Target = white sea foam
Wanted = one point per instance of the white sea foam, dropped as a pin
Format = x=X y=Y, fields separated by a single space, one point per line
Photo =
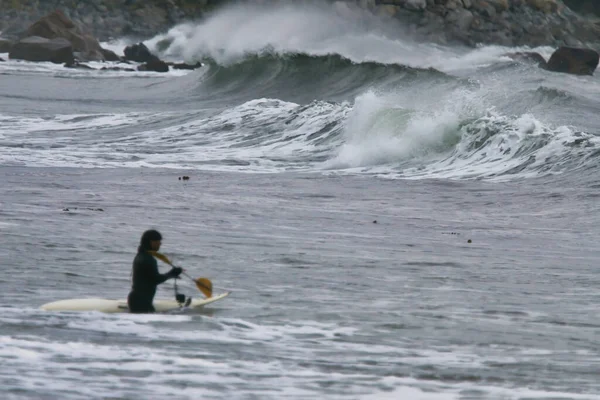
x=319 y=30
x=455 y=135
x=150 y=354
x=390 y=134
x=397 y=388
x=50 y=142
x=20 y=68
x=415 y=131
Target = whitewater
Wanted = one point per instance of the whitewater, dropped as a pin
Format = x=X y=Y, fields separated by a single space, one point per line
x=396 y=219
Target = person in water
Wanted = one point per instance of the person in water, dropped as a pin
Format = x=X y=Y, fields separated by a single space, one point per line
x=145 y=274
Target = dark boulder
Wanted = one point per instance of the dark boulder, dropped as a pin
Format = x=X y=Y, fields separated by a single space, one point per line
x=110 y=55
x=186 y=66
x=5 y=45
x=139 y=53
x=573 y=60
x=155 y=66
x=36 y=48
x=57 y=25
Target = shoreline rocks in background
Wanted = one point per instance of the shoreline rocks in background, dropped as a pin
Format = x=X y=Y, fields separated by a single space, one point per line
x=47 y=39
x=501 y=22
x=466 y=22
x=35 y=48
x=109 y=55
x=139 y=53
x=573 y=61
x=567 y=60
x=584 y=7
x=5 y=45
x=57 y=25
x=55 y=38
x=106 y=19
x=185 y=66
x=154 y=66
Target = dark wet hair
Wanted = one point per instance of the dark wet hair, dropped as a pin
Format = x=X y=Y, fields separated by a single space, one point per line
x=147 y=237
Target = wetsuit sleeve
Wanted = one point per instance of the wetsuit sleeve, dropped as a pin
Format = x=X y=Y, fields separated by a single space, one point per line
x=150 y=271
x=157 y=276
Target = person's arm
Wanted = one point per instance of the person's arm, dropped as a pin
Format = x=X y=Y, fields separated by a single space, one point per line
x=152 y=274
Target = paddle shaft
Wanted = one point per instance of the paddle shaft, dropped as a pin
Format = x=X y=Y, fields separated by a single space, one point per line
x=203 y=284
x=189 y=277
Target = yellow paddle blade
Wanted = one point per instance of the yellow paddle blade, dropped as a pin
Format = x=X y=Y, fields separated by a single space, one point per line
x=161 y=257
x=204 y=285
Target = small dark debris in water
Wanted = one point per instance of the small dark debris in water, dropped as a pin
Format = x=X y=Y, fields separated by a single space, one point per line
x=179 y=178
x=450 y=233
x=375 y=221
x=87 y=208
x=186 y=178
x=117 y=69
x=469 y=241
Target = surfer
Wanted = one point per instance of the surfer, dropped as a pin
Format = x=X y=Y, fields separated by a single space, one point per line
x=145 y=274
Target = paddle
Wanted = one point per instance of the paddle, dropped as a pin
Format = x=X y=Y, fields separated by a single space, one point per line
x=203 y=284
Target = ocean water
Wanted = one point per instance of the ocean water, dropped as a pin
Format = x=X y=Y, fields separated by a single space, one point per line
x=395 y=219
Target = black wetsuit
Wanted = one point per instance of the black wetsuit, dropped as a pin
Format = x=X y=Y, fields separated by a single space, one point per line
x=145 y=280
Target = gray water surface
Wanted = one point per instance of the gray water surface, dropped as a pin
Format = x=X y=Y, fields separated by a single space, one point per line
x=326 y=302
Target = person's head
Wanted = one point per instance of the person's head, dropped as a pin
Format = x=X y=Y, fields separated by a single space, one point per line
x=151 y=240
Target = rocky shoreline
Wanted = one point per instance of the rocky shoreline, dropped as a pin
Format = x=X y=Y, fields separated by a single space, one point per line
x=61 y=37
x=465 y=22
x=56 y=38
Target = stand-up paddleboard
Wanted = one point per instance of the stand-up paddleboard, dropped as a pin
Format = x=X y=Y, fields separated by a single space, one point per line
x=120 y=306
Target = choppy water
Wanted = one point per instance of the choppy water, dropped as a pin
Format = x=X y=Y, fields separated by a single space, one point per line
x=297 y=135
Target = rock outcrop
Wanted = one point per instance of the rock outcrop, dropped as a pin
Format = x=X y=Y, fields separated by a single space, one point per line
x=57 y=25
x=5 y=45
x=52 y=27
x=573 y=61
x=186 y=66
x=139 y=53
x=467 y=22
x=110 y=55
x=35 y=48
x=567 y=60
x=584 y=6
x=154 y=66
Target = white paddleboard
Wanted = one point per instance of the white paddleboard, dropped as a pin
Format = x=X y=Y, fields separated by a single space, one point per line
x=120 y=306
